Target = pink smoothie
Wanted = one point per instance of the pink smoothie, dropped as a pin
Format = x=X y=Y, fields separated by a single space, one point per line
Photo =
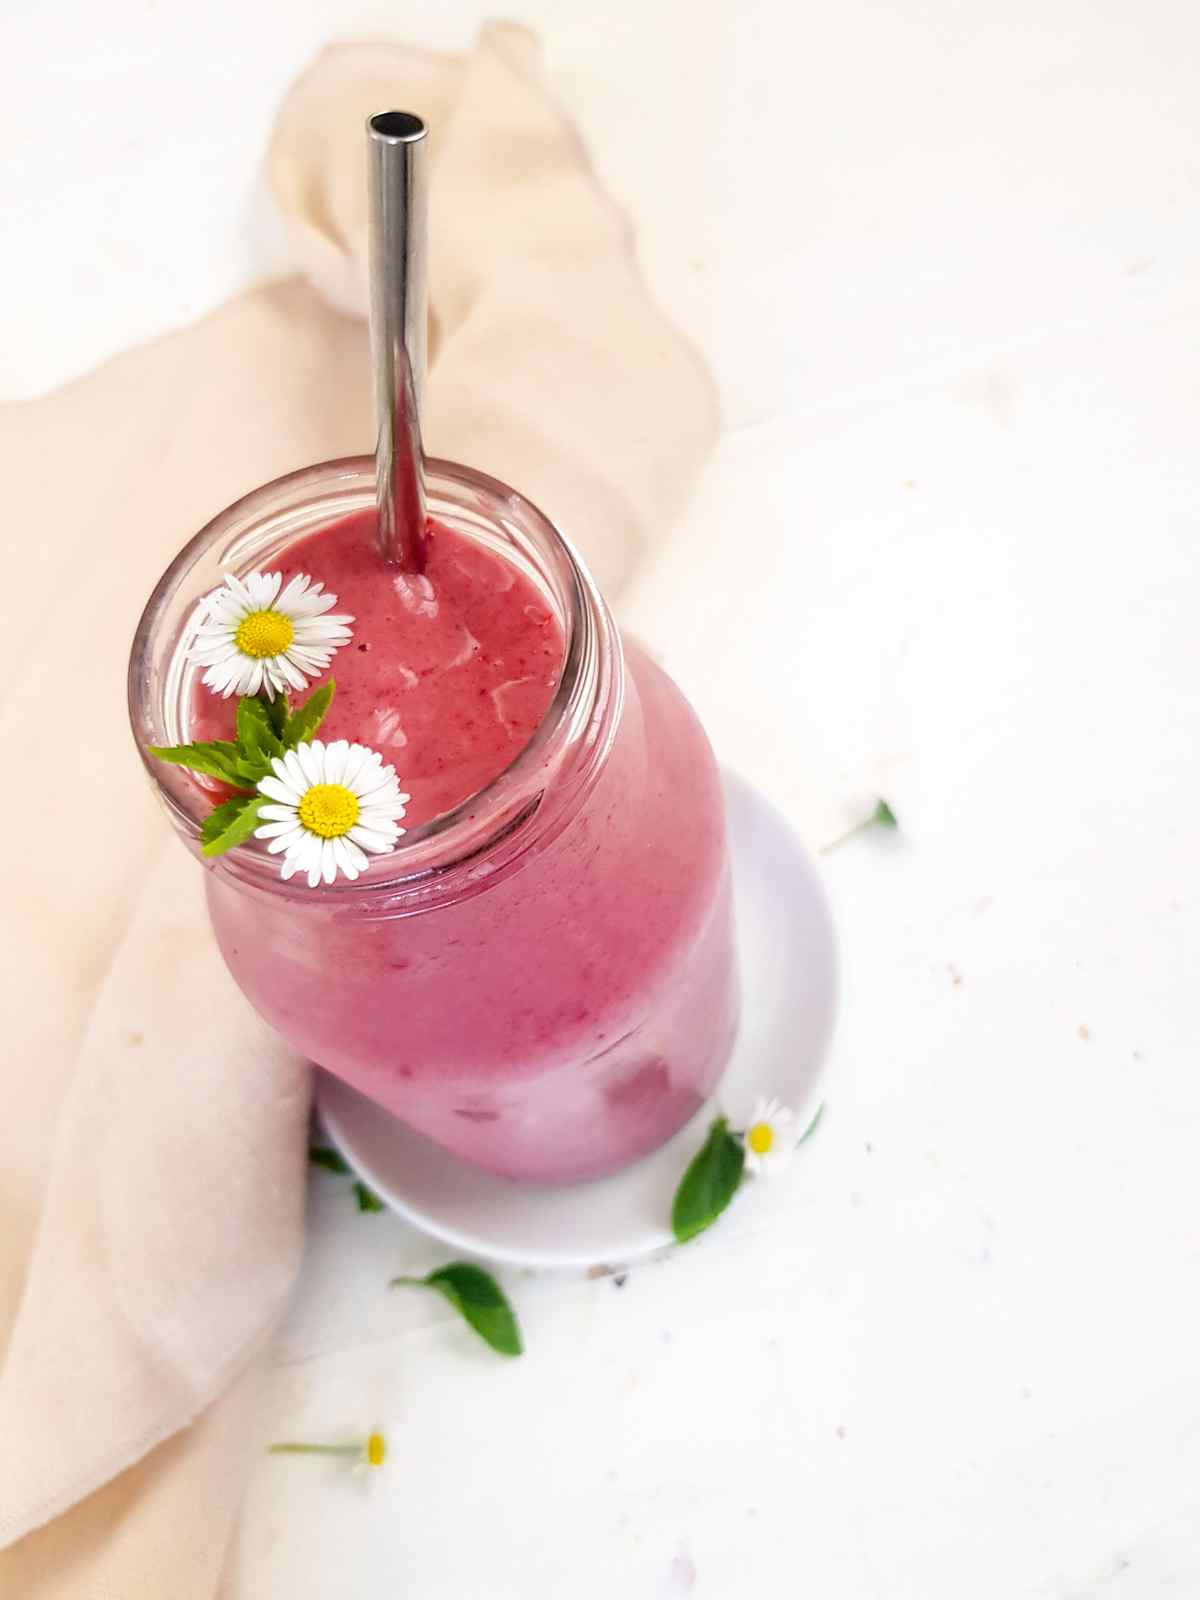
x=447 y=675
x=576 y=1010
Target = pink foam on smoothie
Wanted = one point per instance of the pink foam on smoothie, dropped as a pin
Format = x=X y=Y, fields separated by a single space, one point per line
x=447 y=675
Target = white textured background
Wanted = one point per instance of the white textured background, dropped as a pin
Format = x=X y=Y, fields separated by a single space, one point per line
x=943 y=258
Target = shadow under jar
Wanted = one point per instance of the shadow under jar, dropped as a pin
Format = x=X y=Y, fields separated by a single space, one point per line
x=543 y=980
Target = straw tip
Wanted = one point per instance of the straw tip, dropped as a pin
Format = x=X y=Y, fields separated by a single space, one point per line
x=396 y=127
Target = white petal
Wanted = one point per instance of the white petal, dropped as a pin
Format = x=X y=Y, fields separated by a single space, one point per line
x=336 y=755
x=380 y=819
x=238 y=590
x=282 y=831
x=383 y=800
x=320 y=630
x=303 y=852
x=310 y=764
x=280 y=813
x=293 y=600
x=345 y=863
x=353 y=855
x=355 y=760
x=290 y=673
x=379 y=844
x=365 y=783
x=284 y=792
x=312 y=604
x=375 y=772
x=313 y=661
x=328 y=861
x=264 y=586
x=295 y=773
x=212 y=647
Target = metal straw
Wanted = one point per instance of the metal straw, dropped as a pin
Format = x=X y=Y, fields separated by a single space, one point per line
x=396 y=157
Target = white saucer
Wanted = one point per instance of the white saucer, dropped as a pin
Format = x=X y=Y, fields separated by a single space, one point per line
x=788 y=963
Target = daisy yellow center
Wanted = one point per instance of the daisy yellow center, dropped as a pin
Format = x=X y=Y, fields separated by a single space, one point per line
x=760 y=1136
x=264 y=633
x=376 y=1450
x=329 y=809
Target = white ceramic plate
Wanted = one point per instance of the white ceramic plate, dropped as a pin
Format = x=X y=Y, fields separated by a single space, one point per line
x=788 y=962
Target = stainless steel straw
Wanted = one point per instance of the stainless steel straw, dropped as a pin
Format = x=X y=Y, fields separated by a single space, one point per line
x=397 y=156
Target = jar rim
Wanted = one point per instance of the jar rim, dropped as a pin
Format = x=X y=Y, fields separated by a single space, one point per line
x=591 y=671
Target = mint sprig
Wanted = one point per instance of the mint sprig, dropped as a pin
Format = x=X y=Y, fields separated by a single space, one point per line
x=710 y=1182
x=479 y=1298
x=265 y=730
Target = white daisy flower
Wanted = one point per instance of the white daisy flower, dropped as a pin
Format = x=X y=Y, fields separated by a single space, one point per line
x=252 y=638
x=771 y=1137
x=330 y=805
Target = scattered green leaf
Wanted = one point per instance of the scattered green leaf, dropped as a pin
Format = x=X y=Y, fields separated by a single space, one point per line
x=231 y=824
x=881 y=817
x=812 y=1127
x=478 y=1297
x=322 y=1155
x=709 y=1184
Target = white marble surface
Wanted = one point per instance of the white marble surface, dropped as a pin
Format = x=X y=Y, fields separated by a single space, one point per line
x=947 y=273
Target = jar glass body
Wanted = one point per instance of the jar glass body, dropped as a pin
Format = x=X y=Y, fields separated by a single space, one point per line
x=543 y=981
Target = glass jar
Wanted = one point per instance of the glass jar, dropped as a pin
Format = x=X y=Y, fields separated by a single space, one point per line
x=543 y=980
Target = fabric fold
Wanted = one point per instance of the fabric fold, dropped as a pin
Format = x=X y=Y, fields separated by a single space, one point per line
x=152 y=1165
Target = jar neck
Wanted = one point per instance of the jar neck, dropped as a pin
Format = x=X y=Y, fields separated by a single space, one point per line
x=521 y=810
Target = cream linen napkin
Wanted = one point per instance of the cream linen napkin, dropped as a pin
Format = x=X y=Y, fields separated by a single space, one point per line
x=152 y=1155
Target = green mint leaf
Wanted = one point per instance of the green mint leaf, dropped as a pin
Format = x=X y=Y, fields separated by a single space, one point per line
x=250 y=770
x=257 y=739
x=221 y=817
x=322 y=1156
x=306 y=719
x=812 y=1127
x=277 y=711
x=709 y=1184
x=479 y=1298
x=367 y=1199
x=217 y=759
x=884 y=815
x=230 y=824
